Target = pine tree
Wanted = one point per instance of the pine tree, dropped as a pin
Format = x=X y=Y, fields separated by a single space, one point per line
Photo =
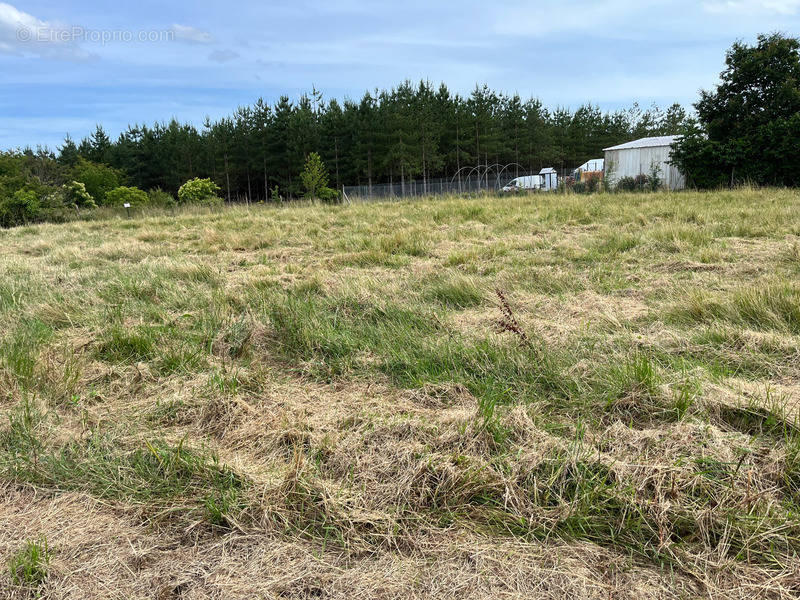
x=279 y=143
x=314 y=176
x=407 y=133
x=100 y=145
x=68 y=153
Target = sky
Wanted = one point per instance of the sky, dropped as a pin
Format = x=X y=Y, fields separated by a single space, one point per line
x=67 y=66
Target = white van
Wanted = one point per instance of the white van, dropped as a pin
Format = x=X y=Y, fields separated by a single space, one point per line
x=530 y=182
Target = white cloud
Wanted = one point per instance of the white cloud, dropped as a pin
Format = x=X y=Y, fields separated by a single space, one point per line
x=186 y=33
x=25 y=35
x=11 y=20
x=780 y=7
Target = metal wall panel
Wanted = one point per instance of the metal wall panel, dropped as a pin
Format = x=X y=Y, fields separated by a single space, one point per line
x=636 y=161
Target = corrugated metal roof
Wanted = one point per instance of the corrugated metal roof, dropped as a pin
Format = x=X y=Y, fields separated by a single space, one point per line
x=648 y=142
x=596 y=164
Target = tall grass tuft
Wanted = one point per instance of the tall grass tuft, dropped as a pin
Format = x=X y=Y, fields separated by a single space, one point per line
x=766 y=306
x=454 y=292
x=28 y=566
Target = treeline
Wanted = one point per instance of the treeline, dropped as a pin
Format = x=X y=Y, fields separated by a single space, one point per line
x=37 y=186
x=746 y=130
x=748 y=127
x=389 y=136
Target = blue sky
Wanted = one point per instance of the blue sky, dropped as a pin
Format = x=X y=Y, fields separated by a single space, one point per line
x=195 y=58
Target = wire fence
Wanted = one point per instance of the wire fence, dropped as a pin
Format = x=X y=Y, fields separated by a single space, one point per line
x=430 y=187
x=468 y=184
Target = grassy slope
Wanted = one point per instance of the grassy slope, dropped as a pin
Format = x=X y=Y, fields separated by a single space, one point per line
x=317 y=401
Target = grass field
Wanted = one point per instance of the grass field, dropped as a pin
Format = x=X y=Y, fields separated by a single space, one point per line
x=533 y=397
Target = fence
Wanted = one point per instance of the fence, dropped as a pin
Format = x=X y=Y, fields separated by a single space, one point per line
x=430 y=187
x=474 y=184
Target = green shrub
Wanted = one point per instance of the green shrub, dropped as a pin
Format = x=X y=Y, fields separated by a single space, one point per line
x=75 y=194
x=592 y=182
x=98 y=179
x=654 y=181
x=275 y=194
x=126 y=195
x=626 y=184
x=199 y=191
x=32 y=203
x=641 y=182
x=23 y=206
x=158 y=197
x=329 y=195
x=30 y=189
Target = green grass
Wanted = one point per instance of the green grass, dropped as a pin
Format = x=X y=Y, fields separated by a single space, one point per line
x=18 y=350
x=347 y=379
x=122 y=346
x=767 y=306
x=339 y=337
x=158 y=474
x=454 y=292
x=28 y=565
x=414 y=243
x=618 y=243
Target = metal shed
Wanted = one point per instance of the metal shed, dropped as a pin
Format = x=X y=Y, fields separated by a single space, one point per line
x=549 y=178
x=639 y=157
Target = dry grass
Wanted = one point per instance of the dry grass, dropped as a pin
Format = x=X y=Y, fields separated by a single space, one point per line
x=544 y=397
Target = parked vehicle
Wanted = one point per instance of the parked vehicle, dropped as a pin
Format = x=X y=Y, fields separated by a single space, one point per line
x=518 y=184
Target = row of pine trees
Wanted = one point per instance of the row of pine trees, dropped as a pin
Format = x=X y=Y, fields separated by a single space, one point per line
x=390 y=136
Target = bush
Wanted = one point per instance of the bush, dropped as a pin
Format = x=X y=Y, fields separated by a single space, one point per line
x=329 y=195
x=126 y=195
x=32 y=190
x=626 y=184
x=98 y=179
x=75 y=194
x=592 y=182
x=654 y=182
x=32 y=204
x=588 y=184
x=158 y=197
x=21 y=207
x=199 y=191
x=275 y=195
x=641 y=182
